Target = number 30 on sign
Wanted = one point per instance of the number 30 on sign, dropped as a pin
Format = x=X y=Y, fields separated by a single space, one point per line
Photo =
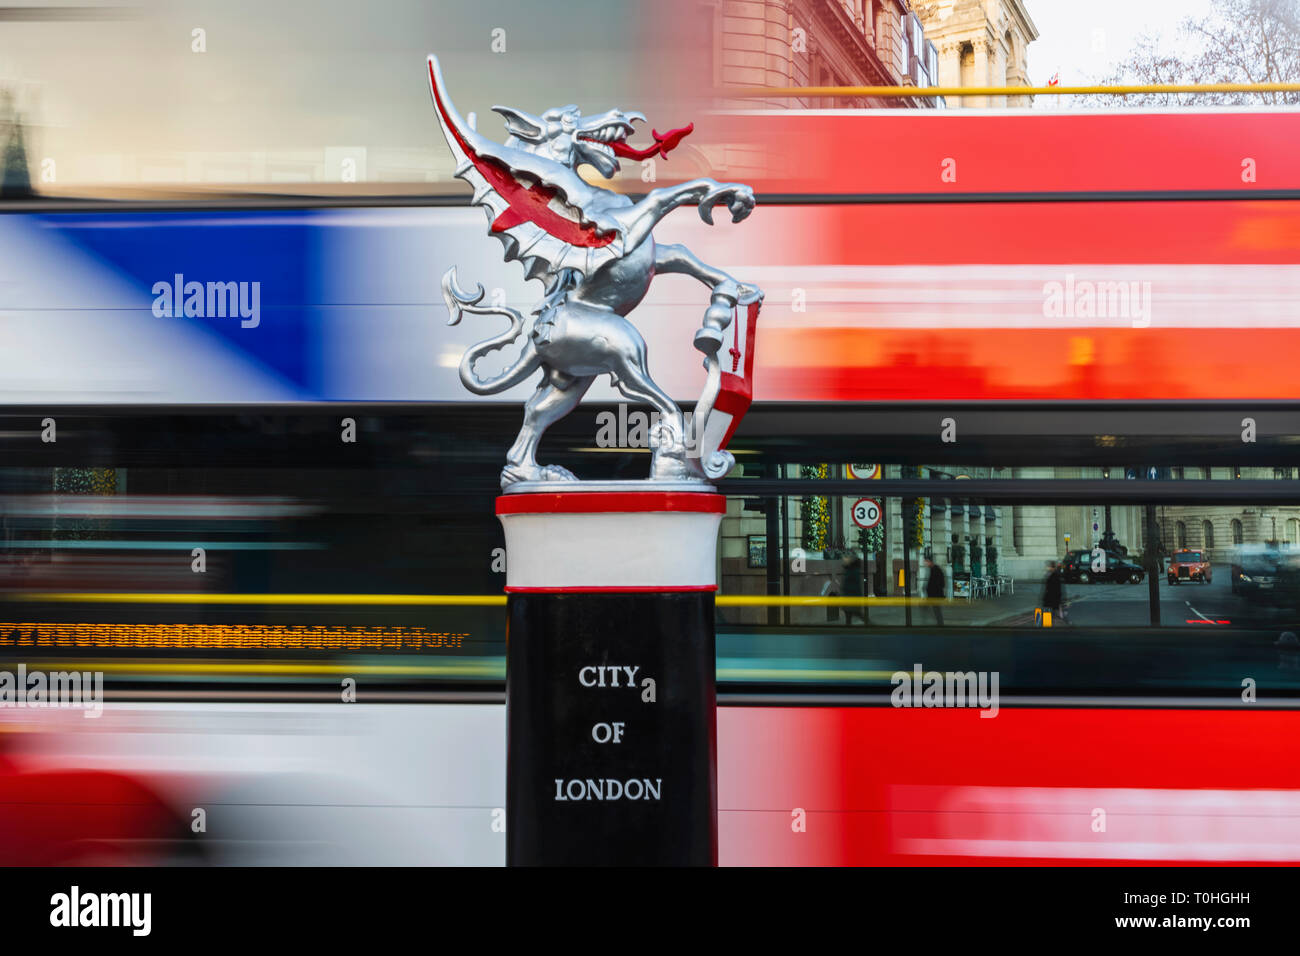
x=866 y=512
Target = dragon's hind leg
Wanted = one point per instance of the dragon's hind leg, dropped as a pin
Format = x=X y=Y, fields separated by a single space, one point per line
x=556 y=396
x=667 y=438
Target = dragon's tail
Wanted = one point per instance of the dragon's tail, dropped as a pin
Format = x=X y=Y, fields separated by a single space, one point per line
x=458 y=303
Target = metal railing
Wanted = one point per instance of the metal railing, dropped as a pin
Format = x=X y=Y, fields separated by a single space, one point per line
x=1127 y=89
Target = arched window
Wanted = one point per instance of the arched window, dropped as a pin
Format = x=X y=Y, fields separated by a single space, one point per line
x=1237 y=536
x=1181 y=531
x=1207 y=533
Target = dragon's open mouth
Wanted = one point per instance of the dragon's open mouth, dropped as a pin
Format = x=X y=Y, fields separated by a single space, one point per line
x=603 y=138
x=612 y=139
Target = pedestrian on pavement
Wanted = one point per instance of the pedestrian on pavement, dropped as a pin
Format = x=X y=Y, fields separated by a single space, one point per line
x=936 y=587
x=851 y=586
x=1054 y=592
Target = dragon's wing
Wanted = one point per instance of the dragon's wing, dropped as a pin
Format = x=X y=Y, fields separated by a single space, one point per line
x=536 y=207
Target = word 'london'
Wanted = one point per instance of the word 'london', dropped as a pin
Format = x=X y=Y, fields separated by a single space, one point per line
x=608 y=789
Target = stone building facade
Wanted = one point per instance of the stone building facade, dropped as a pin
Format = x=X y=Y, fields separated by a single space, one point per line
x=980 y=43
x=1219 y=529
x=821 y=43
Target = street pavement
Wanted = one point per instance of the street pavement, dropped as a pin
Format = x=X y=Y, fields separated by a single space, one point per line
x=1181 y=605
x=1100 y=605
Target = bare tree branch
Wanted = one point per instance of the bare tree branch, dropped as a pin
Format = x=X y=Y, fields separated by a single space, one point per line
x=1241 y=41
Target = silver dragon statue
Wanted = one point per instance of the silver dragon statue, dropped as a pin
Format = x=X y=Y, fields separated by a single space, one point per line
x=594 y=250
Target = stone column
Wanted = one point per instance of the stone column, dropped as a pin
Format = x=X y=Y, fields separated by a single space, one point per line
x=950 y=70
x=982 y=55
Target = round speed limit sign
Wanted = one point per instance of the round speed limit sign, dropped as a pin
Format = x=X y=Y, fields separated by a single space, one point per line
x=864 y=471
x=866 y=512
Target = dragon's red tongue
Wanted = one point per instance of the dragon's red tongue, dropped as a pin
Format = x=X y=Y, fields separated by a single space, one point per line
x=661 y=145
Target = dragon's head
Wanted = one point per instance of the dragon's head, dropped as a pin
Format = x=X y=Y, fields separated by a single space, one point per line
x=566 y=136
x=533 y=176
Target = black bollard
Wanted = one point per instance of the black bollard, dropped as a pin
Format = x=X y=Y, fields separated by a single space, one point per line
x=610 y=699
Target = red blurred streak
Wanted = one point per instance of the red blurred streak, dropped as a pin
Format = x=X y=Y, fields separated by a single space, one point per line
x=813 y=364
x=74 y=817
x=1226 y=232
x=902 y=152
x=839 y=764
x=862 y=358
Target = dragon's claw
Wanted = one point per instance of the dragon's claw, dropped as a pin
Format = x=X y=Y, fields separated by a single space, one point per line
x=557 y=473
x=706 y=208
x=738 y=197
x=531 y=471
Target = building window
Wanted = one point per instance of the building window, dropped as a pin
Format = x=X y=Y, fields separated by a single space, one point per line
x=1292 y=531
x=1181 y=530
x=903 y=48
x=1207 y=532
x=1237 y=536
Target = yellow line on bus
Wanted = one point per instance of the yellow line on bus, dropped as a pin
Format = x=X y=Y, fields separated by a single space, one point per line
x=814 y=600
x=487 y=668
x=746 y=92
x=425 y=600
x=168 y=597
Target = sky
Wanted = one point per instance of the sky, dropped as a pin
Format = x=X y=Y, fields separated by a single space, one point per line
x=1084 y=40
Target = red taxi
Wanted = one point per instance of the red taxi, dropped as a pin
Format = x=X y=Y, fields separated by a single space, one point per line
x=1189 y=566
